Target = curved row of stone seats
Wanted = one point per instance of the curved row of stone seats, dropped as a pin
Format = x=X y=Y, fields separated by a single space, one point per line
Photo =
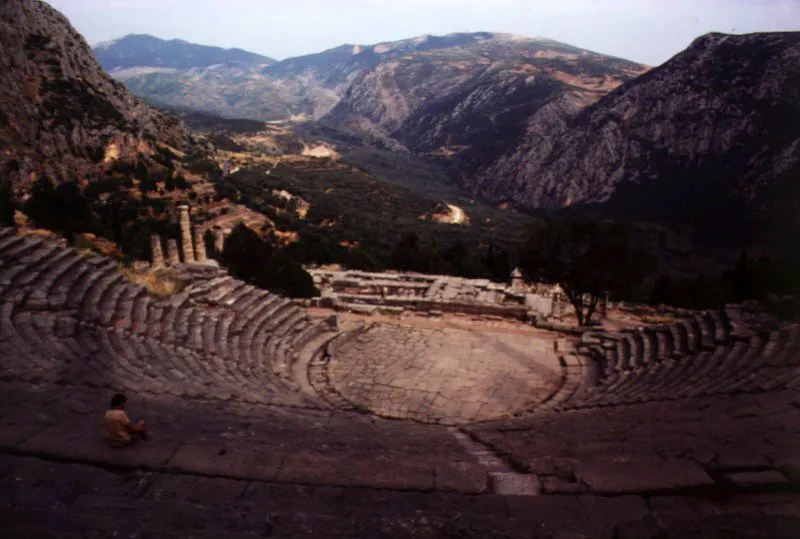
x=739 y=364
x=71 y=319
x=630 y=349
x=256 y=324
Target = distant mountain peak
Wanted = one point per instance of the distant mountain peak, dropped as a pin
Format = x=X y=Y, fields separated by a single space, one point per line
x=144 y=50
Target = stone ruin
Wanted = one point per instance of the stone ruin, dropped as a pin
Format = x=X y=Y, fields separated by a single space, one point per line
x=267 y=421
x=394 y=293
x=192 y=245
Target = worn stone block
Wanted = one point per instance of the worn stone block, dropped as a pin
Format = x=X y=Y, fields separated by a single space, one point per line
x=509 y=483
x=12 y=435
x=550 y=512
x=461 y=476
x=242 y=462
x=640 y=474
x=356 y=470
x=737 y=461
x=212 y=491
x=604 y=514
x=756 y=479
x=60 y=443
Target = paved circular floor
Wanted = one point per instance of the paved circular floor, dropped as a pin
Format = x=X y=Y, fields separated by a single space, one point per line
x=443 y=375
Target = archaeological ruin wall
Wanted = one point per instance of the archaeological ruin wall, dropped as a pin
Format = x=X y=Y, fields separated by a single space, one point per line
x=395 y=293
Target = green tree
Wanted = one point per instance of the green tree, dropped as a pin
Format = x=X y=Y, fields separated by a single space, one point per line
x=74 y=214
x=42 y=206
x=7 y=206
x=587 y=259
x=497 y=263
x=180 y=182
x=147 y=184
x=169 y=183
x=211 y=246
x=251 y=259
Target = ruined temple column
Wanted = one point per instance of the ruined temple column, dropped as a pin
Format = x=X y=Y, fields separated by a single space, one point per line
x=186 y=234
x=156 y=251
x=199 y=246
x=219 y=240
x=173 y=256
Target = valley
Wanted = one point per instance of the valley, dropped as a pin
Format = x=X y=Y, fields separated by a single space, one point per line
x=451 y=147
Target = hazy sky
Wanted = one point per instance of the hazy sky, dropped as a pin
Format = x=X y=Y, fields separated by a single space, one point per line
x=647 y=31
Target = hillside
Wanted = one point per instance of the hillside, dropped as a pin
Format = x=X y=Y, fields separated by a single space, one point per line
x=60 y=113
x=473 y=98
x=309 y=87
x=709 y=142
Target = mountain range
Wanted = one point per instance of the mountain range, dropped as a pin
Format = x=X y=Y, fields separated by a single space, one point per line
x=707 y=144
x=180 y=75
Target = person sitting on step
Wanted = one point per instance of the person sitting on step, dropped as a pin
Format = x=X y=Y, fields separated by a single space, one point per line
x=118 y=427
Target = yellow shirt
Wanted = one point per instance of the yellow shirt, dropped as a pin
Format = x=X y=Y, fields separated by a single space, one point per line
x=116 y=422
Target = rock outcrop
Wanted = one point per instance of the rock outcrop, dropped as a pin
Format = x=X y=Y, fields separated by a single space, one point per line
x=709 y=140
x=474 y=97
x=60 y=114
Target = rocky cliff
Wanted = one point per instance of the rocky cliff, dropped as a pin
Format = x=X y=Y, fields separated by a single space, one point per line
x=60 y=113
x=475 y=98
x=709 y=140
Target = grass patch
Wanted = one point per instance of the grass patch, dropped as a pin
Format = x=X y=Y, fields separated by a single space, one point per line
x=160 y=283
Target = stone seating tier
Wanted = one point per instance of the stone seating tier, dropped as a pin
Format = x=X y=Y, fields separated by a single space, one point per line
x=232 y=381
x=92 y=327
x=631 y=374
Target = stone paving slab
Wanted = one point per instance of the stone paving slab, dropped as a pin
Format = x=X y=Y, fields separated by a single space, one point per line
x=62 y=443
x=211 y=491
x=756 y=479
x=506 y=483
x=55 y=499
x=357 y=471
x=708 y=434
x=609 y=475
x=248 y=461
x=228 y=440
x=12 y=435
x=466 y=477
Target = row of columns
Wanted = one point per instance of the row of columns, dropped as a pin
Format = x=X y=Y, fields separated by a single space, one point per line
x=192 y=243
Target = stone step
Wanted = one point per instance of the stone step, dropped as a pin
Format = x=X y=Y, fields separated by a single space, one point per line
x=679 y=339
x=22 y=248
x=48 y=272
x=665 y=343
x=7 y=242
x=62 y=287
x=707 y=334
x=78 y=293
x=721 y=329
x=103 y=301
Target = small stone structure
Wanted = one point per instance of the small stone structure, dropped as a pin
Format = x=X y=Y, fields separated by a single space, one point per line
x=157 y=251
x=194 y=252
x=388 y=293
x=199 y=246
x=186 y=234
x=517 y=281
x=173 y=255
